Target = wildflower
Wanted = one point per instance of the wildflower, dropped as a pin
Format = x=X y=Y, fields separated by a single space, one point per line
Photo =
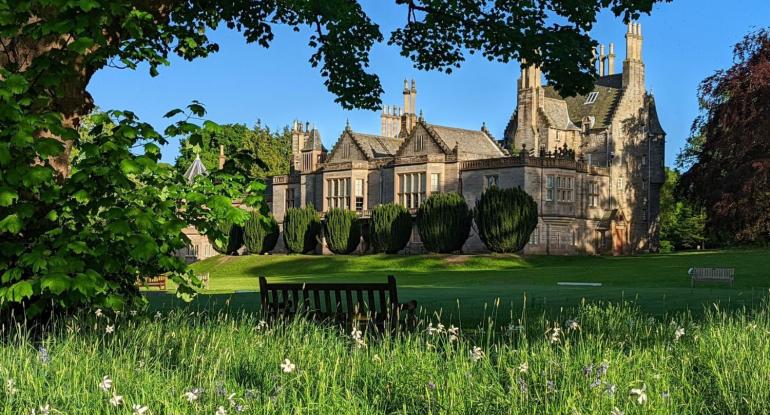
x=550 y=386
x=287 y=366
x=133 y=313
x=98 y=312
x=571 y=325
x=44 y=410
x=678 y=334
x=752 y=326
x=158 y=315
x=640 y=394
x=358 y=336
x=616 y=411
x=554 y=335
x=116 y=400
x=139 y=409
x=262 y=325
x=454 y=333
x=10 y=386
x=431 y=386
x=588 y=370
x=42 y=355
x=192 y=395
x=665 y=395
x=431 y=330
x=239 y=408
x=109 y=329
x=221 y=391
x=610 y=389
x=221 y=411
x=376 y=358
x=477 y=354
x=105 y=384
x=602 y=369
x=524 y=367
x=231 y=399
x=250 y=394
x=596 y=383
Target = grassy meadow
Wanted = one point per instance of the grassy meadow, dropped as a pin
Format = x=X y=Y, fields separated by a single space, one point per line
x=597 y=359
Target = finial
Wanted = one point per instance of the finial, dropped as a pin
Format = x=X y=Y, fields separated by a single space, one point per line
x=421 y=118
x=414 y=85
x=347 y=124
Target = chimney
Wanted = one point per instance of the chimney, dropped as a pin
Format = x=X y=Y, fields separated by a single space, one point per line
x=221 y=157
x=602 y=60
x=413 y=96
x=407 y=97
x=633 y=66
x=611 y=60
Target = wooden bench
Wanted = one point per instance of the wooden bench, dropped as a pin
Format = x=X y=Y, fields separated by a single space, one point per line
x=347 y=304
x=711 y=275
x=157 y=281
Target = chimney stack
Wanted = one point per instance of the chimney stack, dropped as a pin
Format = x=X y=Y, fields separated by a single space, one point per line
x=611 y=60
x=602 y=60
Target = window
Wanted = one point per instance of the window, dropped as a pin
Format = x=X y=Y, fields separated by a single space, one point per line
x=435 y=182
x=644 y=183
x=346 y=150
x=419 y=142
x=549 y=188
x=591 y=98
x=589 y=159
x=593 y=194
x=411 y=190
x=359 y=194
x=575 y=237
x=621 y=185
x=290 y=198
x=490 y=181
x=644 y=160
x=534 y=239
x=306 y=161
x=564 y=188
x=338 y=193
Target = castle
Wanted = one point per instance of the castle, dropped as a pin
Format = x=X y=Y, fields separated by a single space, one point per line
x=593 y=163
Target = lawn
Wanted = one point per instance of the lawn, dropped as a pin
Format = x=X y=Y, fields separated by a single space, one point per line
x=470 y=285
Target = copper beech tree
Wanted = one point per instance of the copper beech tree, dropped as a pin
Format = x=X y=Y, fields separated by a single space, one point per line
x=728 y=155
x=78 y=228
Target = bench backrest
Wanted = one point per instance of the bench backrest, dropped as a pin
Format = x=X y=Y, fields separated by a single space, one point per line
x=713 y=273
x=377 y=302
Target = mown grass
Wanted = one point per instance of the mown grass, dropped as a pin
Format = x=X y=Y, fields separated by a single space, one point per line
x=656 y=283
x=719 y=365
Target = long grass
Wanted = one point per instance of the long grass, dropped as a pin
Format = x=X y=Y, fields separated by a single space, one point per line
x=717 y=364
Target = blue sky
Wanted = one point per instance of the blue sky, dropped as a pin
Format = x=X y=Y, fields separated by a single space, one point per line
x=684 y=42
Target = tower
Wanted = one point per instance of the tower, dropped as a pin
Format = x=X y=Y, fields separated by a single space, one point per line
x=307 y=151
x=409 y=117
x=633 y=66
x=531 y=97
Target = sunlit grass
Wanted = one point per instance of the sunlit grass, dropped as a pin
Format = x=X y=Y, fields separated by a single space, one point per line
x=720 y=365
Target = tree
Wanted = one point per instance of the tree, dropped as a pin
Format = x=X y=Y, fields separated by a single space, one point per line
x=342 y=230
x=301 y=227
x=505 y=218
x=728 y=167
x=256 y=152
x=231 y=240
x=390 y=227
x=681 y=224
x=260 y=233
x=444 y=222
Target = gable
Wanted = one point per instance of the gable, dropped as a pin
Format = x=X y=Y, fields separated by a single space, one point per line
x=345 y=150
x=420 y=142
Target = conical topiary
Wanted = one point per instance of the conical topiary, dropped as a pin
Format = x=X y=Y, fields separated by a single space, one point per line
x=390 y=228
x=301 y=227
x=505 y=218
x=444 y=222
x=342 y=231
x=260 y=233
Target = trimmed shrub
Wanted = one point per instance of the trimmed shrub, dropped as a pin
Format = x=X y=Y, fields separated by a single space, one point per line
x=444 y=221
x=233 y=238
x=301 y=227
x=505 y=218
x=260 y=233
x=342 y=230
x=390 y=227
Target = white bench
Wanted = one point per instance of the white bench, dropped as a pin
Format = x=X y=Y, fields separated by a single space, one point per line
x=711 y=275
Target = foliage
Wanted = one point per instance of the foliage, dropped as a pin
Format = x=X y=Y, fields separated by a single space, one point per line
x=232 y=239
x=709 y=367
x=505 y=218
x=444 y=222
x=681 y=224
x=301 y=228
x=730 y=172
x=390 y=227
x=117 y=218
x=256 y=153
x=260 y=233
x=342 y=230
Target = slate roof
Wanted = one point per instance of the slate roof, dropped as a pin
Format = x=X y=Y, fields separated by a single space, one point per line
x=557 y=114
x=376 y=146
x=609 y=90
x=655 y=127
x=313 y=141
x=468 y=141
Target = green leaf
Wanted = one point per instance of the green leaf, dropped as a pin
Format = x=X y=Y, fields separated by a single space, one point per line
x=20 y=291
x=55 y=283
x=5 y=154
x=7 y=196
x=11 y=224
x=130 y=167
x=81 y=44
x=114 y=302
x=46 y=147
x=81 y=196
x=88 y=5
x=173 y=113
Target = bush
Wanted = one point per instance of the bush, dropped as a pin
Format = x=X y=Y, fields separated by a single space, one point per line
x=505 y=218
x=390 y=227
x=260 y=233
x=444 y=222
x=342 y=231
x=301 y=227
x=232 y=241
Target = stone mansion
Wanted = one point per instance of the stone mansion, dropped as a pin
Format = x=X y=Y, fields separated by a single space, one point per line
x=593 y=163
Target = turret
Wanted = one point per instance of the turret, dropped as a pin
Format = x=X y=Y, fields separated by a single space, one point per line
x=633 y=66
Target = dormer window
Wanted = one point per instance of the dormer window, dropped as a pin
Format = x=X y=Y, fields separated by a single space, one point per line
x=591 y=98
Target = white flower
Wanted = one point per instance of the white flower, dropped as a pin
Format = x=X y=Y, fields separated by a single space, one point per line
x=139 y=409
x=287 y=366
x=431 y=330
x=571 y=325
x=231 y=399
x=477 y=354
x=98 y=312
x=105 y=384
x=133 y=313
x=616 y=411
x=191 y=395
x=554 y=335
x=752 y=326
x=116 y=400
x=158 y=315
x=10 y=386
x=221 y=411
x=262 y=325
x=109 y=329
x=358 y=337
x=524 y=367
x=44 y=410
x=454 y=333
x=640 y=394
x=678 y=333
